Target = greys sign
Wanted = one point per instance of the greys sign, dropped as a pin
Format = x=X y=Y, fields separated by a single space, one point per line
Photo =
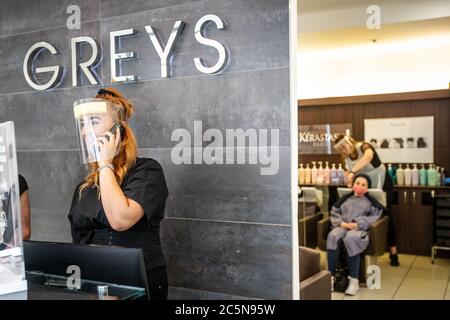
x=164 y=53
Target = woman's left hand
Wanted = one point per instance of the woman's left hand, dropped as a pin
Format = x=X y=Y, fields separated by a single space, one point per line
x=108 y=144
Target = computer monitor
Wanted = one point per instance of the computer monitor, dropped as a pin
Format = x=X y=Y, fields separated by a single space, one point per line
x=109 y=264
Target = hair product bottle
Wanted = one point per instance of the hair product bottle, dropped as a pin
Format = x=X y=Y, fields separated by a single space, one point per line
x=301 y=174
x=319 y=178
x=326 y=173
x=431 y=176
x=408 y=175
x=307 y=174
x=423 y=176
x=314 y=173
x=438 y=175
x=415 y=176
x=341 y=174
x=334 y=175
x=400 y=175
x=391 y=172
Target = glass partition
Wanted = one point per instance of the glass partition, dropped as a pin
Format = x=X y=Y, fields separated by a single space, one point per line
x=12 y=271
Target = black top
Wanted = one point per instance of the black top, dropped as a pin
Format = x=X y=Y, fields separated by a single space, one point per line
x=375 y=162
x=143 y=183
x=23 y=186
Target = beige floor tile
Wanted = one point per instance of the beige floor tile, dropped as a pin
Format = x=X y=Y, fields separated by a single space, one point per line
x=368 y=296
x=389 y=279
x=385 y=290
x=445 y=270
x=337 y=295
x=412 y=297
x=436 y=284
x=394 y=272
x=415 y=293
x=429 y=274
x=443 y=262
x=422 y=261
x=436 y=261
x=447 y=296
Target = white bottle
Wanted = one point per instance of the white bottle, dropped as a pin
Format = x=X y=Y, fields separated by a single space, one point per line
x=438 y=176
x=327 y=173
x=334 y=175
x=301 y=175
x=307 y=174
x=400 y=176
x=314 y=173
x=341 y=174
x=320 y=176
x=408 y=175
x=415 y=176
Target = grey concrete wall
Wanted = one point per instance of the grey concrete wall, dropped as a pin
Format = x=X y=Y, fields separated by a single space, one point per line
x=227 y=232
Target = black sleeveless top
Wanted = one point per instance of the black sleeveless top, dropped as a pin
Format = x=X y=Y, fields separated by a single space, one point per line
x=143 y=183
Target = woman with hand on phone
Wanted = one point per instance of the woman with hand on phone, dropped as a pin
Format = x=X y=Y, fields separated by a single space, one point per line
x=122 y=199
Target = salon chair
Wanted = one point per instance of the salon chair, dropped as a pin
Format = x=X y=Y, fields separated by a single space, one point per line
x=314 y=284
x=309 y=201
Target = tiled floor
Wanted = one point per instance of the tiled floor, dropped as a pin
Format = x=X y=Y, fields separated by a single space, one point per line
x=415 y=279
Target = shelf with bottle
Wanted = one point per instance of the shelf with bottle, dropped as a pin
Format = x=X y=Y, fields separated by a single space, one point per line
x=407 y=175
x=319 y=174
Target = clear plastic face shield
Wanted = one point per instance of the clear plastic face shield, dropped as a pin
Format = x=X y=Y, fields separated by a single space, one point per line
x=343 y=146
x=93 y=119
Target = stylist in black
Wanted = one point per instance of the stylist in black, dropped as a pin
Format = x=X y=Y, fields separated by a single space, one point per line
x=121 y=201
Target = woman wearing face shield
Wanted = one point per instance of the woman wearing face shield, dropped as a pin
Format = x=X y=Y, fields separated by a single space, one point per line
x=361 y=157
x=121 y=201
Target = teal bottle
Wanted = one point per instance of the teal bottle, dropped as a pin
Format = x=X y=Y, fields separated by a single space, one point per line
x=431 y=176
x=423 y=176
x=391 y=172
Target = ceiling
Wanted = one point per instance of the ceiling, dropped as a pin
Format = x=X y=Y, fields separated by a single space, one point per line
x=328 y=24
x=322 y=5
x=391 y=33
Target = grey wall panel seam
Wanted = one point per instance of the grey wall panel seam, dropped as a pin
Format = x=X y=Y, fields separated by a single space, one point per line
x=47 y=150
x=44 y=29
x=149 y=10
x=230 y=221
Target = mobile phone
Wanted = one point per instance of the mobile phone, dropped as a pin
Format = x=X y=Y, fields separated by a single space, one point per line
x=121 y=129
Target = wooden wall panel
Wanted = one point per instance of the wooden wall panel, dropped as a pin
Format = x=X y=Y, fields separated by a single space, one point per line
x=355 y=113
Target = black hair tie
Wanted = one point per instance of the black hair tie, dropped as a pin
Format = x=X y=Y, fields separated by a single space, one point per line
x=104 y=91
